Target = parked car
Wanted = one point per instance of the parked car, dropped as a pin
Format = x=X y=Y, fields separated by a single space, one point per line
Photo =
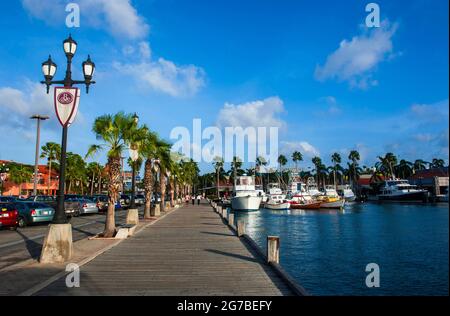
x=72 y=206
x=88 y=207
x=101 y=201
x=7 y=199
x=8 y=215
x=139 y=199
x=124 y=200
x=33 y=212
x=106 y=202
x=46 y=199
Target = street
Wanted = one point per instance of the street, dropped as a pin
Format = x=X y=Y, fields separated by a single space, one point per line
x=26 y=243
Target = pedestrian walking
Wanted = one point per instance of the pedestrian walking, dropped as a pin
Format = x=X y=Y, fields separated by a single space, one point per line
x=193 y=199
x=199 y=197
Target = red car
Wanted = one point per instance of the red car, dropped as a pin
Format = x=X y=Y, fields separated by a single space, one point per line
x=9 y=215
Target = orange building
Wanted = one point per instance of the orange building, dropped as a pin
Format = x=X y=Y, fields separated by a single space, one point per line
x=46 y=185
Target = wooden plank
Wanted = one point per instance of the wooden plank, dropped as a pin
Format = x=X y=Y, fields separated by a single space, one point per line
x=189 y=252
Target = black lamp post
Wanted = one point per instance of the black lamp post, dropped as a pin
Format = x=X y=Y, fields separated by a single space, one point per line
x=134 y=158
x=49 y=69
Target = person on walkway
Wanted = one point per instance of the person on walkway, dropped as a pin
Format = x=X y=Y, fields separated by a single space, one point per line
x=199 y=197
x=193 y=199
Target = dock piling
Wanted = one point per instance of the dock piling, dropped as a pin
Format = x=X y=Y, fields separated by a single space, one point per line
x=240 y=228
x=273 y=249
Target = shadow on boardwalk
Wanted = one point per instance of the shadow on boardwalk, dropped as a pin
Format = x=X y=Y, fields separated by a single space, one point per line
x=189 y=252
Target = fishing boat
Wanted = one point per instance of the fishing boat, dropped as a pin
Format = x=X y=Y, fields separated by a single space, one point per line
x=277 y=203
x=304 y=202
x=331 y=199
x=245 y=198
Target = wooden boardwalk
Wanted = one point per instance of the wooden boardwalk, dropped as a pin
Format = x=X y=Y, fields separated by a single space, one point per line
x=189 y=252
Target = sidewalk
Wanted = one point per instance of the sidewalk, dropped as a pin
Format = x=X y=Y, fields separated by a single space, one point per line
x=20 y=278
x=189 y=252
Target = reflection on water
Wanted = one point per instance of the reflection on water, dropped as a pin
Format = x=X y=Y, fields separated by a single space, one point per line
x=327 y=250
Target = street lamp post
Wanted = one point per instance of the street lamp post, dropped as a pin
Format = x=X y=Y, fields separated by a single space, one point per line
x=38 y=118
x=49 y=69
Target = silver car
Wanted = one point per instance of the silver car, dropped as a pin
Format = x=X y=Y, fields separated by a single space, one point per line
x=88 y=207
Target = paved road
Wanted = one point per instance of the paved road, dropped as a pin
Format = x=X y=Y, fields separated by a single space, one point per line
x=26 y=243
x=189 y=252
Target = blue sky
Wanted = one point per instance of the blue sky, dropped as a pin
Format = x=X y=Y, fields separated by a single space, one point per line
x=311 y=67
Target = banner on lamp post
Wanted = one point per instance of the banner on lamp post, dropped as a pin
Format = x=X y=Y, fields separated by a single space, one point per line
x=66 y=104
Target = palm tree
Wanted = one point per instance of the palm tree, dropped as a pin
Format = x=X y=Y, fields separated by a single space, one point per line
x=163 y=163
x=51 y=151
x=282 y=161
x=75 y=171
x=317 y=162
x=387 y=163
x=236 y=170
x=20 y=174
x=149 y=152
x=354 y=157
x=218 y=166
x=115 y=133
x=420 y=164
x=296 y=157
x=94 y=169
x=261 y=161
x=404 y=169
x=336 y=160
x=437 y=163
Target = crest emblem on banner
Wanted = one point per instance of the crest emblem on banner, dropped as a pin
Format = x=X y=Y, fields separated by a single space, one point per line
x=66 y=104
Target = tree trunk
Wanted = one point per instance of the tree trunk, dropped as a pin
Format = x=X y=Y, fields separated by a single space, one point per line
x=49 y=176
x=162 y=188
x=92 y=184
x=100 y=183
x=113 y=192
x=148 y=187
x=70 y=186
x=218 y=190
x=171 y=191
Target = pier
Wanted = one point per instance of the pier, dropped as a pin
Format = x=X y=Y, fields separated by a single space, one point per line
x=189 y=252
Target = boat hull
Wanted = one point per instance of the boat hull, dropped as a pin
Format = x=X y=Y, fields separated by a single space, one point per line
x=306 y=206
x=279 y=206
x=405 y=197
x=335 y=205
x=246 y=203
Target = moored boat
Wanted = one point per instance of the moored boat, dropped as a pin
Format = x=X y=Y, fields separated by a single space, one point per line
x=245 y=198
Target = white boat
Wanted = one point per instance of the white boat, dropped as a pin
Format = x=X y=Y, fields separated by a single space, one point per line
x=276 y=203
x=246 y=198
x=347 y=193
x=401 y=191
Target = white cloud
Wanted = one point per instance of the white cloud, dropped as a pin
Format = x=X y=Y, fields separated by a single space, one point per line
x=356 y=60
x=328 y=106
x=117 y=17
x=163 y=75
x=19 y=105
x=304 y=147
x=430 y=113
x=261 y=113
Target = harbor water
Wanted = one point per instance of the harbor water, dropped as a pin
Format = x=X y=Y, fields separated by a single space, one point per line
x=327 y=251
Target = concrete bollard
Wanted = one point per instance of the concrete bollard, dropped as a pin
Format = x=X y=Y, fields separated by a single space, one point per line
x=155 y=210
x=133 y=216
x=231 y=219
x=273 y=249
x=240 y=228
x=58 y=245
